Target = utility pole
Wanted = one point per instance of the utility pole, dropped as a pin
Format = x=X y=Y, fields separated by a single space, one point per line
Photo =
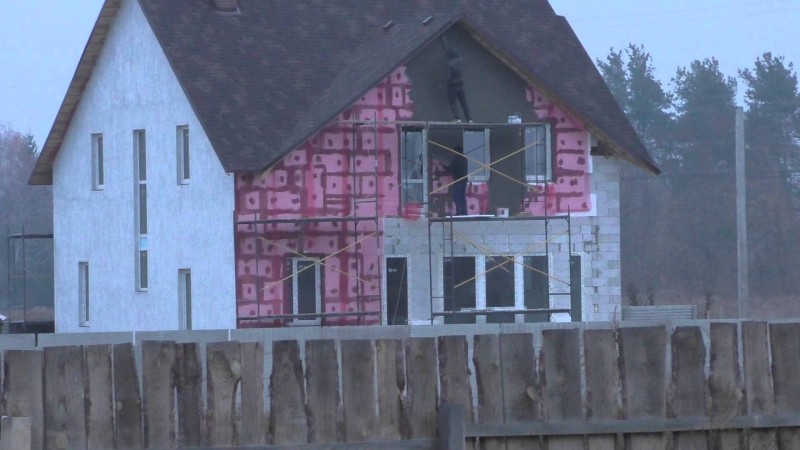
x=743 y=292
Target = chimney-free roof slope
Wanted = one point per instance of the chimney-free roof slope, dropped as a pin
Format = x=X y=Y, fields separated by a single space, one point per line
x=264 y=79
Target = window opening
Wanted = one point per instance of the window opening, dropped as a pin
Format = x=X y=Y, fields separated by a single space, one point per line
x=185 y=298
x=500 y=287
x=459 y=287
x=537 y=154
x=83 y=294
x=98 y=175
x=140 y=162
x=476 y=149
x=536 y=287
x=307 y=288
x=184 y=166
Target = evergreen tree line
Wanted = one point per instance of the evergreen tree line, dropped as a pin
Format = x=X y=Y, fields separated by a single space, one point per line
x=679 y=228
x=28 y=208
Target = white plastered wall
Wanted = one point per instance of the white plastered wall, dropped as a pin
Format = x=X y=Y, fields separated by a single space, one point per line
x=133 y=87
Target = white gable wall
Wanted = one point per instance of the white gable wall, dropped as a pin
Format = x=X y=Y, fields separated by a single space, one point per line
x=190 y=226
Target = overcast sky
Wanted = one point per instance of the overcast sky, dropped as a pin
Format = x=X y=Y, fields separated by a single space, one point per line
x=42 y=40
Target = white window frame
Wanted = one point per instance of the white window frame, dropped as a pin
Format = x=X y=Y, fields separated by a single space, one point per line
x=183 y=153
x=83 y=294
x=98 y=162
x=548 y=176
x=141 y=223
x=317 y=290
x=412 y=181
x=185 y=299
x=472 y=166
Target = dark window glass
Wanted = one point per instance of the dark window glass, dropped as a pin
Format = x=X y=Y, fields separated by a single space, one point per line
x=306 y=287
x=142 y=154
x=536 y=153
x=186 y=170
x=499 y=287
x=143 y=269
x=142 y=209
x=459 y=287
x=537 y=287
x=100 y=175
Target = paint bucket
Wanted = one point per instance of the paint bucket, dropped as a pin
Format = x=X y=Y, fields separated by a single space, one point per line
x=502 y=212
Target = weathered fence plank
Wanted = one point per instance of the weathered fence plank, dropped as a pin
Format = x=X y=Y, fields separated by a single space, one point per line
x=454 y=374
x=521 y=390
x=254 y=426
x=391 y=382
x=643 y=352
x=15 y=433
x=421 y=378
x=322 y=384
x=561 y=382
x=784 y=341
x=725 y=385
x=189 y=379
x=100 y=396
x=64 y=398
x=22 y=390
x=127 y=400
x=486 y=357
x=758 y=380
x=603 y=385
x=223 y=373
x=689 y=383
x=158 y=389
x=288 y=420
x=358 y=389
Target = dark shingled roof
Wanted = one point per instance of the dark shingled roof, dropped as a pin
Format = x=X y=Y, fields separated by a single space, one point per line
x=265 y=79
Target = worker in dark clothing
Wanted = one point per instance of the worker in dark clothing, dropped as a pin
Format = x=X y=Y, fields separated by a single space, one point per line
x=458 y=170
x=455 y=82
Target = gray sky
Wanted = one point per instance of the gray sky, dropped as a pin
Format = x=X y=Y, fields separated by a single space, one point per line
x=42 y=40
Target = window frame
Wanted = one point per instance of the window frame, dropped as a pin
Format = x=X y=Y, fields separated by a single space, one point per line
x=183 y=154
x=141 y=210
x=536 y=178
x=317 y=289
x=485 y=173
x=83 y=294
x=98 y=162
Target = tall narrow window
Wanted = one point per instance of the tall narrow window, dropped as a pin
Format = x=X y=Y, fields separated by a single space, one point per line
x=537 y=154
x=412 y=166
x=537 y=287
x=83 y=294
x=458 y=275
x=184 y=167
x=98 y=175
x=185 y=299
x=476 y=149
x=500 y=287
x=306 y=289
x=140 y=162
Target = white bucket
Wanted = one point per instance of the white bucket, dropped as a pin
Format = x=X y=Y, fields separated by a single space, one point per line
x=502 y=212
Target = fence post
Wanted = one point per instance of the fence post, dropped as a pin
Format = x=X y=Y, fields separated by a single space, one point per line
x=451 y=427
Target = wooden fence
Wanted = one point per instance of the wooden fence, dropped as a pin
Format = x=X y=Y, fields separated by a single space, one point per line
x=716 y=385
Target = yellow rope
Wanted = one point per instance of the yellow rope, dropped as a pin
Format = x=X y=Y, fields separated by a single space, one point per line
x=483 y=166
x=318 y=261
x=490 y=251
